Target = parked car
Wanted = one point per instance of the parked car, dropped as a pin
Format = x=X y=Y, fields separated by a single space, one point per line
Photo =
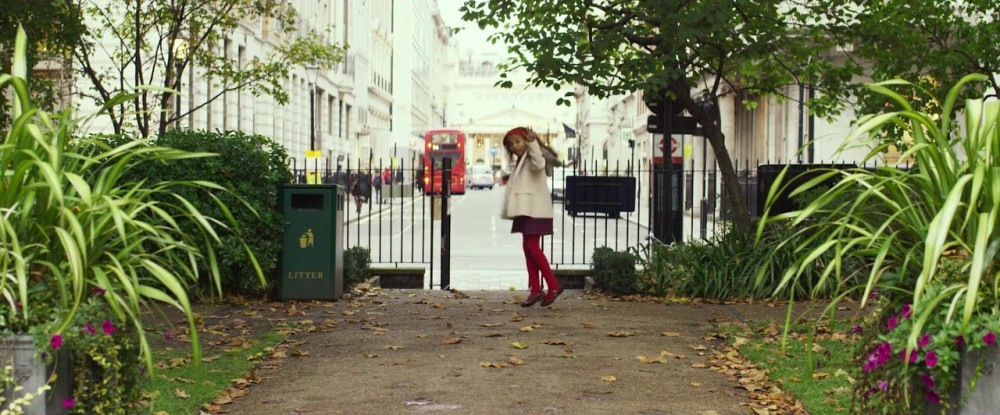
x=481 y=177
x=557 y=183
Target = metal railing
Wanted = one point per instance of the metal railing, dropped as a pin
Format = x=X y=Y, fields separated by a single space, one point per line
x=405 y=212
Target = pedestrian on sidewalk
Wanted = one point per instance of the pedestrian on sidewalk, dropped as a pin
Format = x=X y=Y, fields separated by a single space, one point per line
x=377 y=186
x=361 y=190
x=528 y=204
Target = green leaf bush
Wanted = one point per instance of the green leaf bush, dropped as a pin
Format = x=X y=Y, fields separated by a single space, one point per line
x=252 y=169
x=615 y=271
x=82 y=244
x=734 y=265
x=929 y=237
x=357 y=266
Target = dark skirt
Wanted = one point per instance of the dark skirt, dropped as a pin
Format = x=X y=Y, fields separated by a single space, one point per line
x=532 y=226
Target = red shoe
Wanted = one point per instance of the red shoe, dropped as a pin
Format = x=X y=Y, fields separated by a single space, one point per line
x=551 y=297
x=532 y=299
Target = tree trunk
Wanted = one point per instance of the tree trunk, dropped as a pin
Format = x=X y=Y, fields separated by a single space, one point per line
x=729 y=179
x=713 y=133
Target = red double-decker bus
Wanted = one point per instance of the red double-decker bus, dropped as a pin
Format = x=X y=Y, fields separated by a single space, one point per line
x=440 y=144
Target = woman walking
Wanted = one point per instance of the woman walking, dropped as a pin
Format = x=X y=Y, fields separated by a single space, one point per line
x=527 y=202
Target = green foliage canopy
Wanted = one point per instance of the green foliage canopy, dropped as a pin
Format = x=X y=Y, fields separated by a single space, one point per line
x=153 y=42
x=747 y=48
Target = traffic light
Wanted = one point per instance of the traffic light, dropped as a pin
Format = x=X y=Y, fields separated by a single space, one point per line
x=661 y=106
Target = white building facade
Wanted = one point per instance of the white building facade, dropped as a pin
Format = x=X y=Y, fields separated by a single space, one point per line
x=370 y=106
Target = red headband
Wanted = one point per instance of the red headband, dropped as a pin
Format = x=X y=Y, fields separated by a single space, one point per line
x=519 y=131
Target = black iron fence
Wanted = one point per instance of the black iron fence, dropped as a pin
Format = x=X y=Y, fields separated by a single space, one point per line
x=596 y=204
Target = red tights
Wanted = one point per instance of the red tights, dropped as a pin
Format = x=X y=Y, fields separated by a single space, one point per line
x=537 y=264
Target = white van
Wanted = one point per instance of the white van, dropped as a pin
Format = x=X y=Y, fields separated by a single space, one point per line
x=481 y=177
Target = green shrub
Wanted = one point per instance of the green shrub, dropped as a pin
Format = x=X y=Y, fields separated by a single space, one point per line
x=356 y=266
x=252 y=168
x=734 y=265
x=615 y=271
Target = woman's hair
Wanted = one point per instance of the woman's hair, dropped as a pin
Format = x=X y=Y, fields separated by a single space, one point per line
x=521 y=131
x=550 y=155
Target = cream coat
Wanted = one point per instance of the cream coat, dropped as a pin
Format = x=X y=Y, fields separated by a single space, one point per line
x=527 y=192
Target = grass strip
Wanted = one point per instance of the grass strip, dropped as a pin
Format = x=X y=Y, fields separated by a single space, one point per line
x=178 y=387
x=815 y=366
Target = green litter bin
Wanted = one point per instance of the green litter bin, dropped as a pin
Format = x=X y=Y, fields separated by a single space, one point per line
x=312 y=259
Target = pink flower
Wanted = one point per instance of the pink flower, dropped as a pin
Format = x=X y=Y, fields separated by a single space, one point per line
x=931 y=358
x=910 y=355
x=893 y=322
x=55 y=341
x=98 y=291
x=990 y=338
x=857 y=329
x=924 y=340
x=960 y=341
x=885 y=352
x=108 y=327
x=907 y=311
x=167 y=336
x=90 y=329
x=68 y=403
x=878 y=357
x=928 y=380
x=933 y=397
x=883 y=385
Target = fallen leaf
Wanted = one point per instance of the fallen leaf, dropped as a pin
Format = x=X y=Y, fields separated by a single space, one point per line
x=609 y=378
x=588 y=325
x=526 y=328
x=181 y=394
x=393 y=347
x=670 y=334
x=515 y=361
x=222 y=400
x=699 y=365
x=651 y=359
x=451 y=340
x=696 y=384
x=518 y=345
x=494 y=364
x=697 y=347
x=554 y=342
x=568 y=355
x=619 y=333
x=491 y=324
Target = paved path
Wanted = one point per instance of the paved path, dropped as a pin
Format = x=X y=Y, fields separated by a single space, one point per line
x=415 y=351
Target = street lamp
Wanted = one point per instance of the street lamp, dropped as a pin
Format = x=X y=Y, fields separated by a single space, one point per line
x=312 y=72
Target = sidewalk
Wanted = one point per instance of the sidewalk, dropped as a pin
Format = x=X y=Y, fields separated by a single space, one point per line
x=417 y=351
x=370 y=210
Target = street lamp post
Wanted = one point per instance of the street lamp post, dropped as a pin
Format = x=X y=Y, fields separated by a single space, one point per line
x=312 y=71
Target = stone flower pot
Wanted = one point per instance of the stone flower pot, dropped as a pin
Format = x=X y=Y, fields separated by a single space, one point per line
x=985 y=399
x=31 y=374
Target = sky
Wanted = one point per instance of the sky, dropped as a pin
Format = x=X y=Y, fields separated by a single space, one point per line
x=470 y=37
